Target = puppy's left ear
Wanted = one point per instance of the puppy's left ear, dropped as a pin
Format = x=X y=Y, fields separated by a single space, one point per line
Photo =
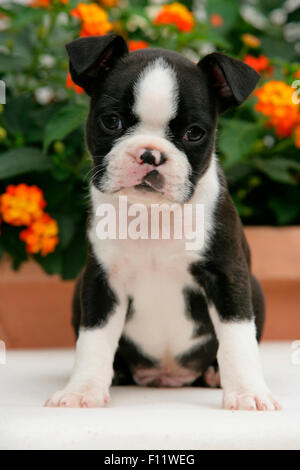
x=90 y=57
x=231 y=79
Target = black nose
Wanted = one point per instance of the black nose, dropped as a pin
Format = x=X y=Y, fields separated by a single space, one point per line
x=148 y=157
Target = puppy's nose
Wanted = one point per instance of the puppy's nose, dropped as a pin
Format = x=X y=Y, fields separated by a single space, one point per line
x=151 y=156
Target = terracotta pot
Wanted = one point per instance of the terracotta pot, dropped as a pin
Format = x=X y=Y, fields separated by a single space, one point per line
x=35 y=309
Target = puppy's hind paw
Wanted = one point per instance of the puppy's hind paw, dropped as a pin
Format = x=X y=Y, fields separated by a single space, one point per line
x=84 y=397
x=260 y=401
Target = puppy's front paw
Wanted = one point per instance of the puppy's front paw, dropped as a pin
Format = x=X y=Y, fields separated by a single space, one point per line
x=85 y=396
x=252 y=401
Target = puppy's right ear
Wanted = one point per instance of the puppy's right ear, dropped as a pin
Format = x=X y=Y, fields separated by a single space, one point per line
x=91 y=56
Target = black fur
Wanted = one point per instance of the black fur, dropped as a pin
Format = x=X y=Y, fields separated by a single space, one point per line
x=206 y=89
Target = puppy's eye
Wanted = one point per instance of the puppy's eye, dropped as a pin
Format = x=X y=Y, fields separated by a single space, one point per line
x=111 y=122
x=193 y=134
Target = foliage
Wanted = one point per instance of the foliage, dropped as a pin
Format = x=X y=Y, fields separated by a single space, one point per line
x=41 y=124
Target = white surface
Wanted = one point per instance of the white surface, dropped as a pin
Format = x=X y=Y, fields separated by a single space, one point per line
x=142 y=418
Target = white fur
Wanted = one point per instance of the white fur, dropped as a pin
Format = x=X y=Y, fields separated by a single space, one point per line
x=155 y=104
x=240 y=368
x=93 y=369
x=156 y=95
x=154 y=272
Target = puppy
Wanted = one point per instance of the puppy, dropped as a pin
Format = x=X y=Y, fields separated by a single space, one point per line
x=149 y=310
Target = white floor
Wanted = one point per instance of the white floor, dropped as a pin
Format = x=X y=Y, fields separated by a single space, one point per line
x=141 y=418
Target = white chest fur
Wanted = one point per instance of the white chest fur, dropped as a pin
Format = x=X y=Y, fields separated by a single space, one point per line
x=154 y=273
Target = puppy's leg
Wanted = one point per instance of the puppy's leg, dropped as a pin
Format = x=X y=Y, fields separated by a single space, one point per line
x=240 y=368
x=102 y=320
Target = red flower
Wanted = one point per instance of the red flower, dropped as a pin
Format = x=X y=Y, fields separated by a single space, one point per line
x=71 y=84
x=260 y=63
x=136 y=45
x=216 y=20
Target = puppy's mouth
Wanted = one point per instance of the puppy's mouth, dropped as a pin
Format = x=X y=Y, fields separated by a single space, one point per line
x=152 y=181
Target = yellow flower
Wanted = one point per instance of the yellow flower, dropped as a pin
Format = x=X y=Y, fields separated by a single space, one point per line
x=3 y=133
x=251 y=41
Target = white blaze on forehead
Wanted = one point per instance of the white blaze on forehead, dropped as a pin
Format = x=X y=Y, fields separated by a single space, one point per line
x=156 y=94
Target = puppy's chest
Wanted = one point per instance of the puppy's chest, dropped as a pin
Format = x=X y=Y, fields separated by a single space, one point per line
x=154 y=277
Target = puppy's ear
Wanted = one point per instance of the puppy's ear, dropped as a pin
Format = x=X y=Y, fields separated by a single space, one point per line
x=232 y=79
x=90 y=57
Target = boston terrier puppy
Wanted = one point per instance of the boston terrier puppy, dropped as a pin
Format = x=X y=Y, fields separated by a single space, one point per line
x=150 y=311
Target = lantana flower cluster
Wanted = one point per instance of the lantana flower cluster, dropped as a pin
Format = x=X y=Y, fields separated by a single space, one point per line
x=275 y=100
x=23 y=205
x=177 y=15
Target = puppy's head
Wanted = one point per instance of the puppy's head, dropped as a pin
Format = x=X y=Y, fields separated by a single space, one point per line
x=153 y=114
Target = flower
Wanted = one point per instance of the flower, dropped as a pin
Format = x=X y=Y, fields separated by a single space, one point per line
x=250 y=40
x=3 y=133
x=94 y=20
x=260 y=63
x=135 y=45
x=275 y=102
x=41 y=235
x=21 y=204
x=71 y=84
x=216 y=20
x=109 y=3
x=176 y=14
x=297 y=74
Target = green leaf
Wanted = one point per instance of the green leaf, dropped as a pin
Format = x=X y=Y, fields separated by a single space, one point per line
x=27 y=16
x=236 y=139
x=66 y=228
x=285 y=210
x=22 y=160
x=65 y=121
x=12 y=244
x=12 y=63
x=14 y=115
x=74 y=256
x=277 y=169
x=228 y=10
x=50 y=263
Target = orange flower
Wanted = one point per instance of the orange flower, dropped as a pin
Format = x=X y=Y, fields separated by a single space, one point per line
x=297 y=74
x=71 y=84
x=94 y=20
x=260 y=64
x=216 y=20
x=41 y=235
x=109 y=3
x=21 y=204
x=250 y=40
x=275 y=102
x=135 y=45
x=176 y=14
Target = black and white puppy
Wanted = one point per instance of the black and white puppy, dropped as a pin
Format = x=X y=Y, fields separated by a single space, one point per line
x=165 y=315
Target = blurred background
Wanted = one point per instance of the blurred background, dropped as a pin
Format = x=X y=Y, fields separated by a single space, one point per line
x=44 y=164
